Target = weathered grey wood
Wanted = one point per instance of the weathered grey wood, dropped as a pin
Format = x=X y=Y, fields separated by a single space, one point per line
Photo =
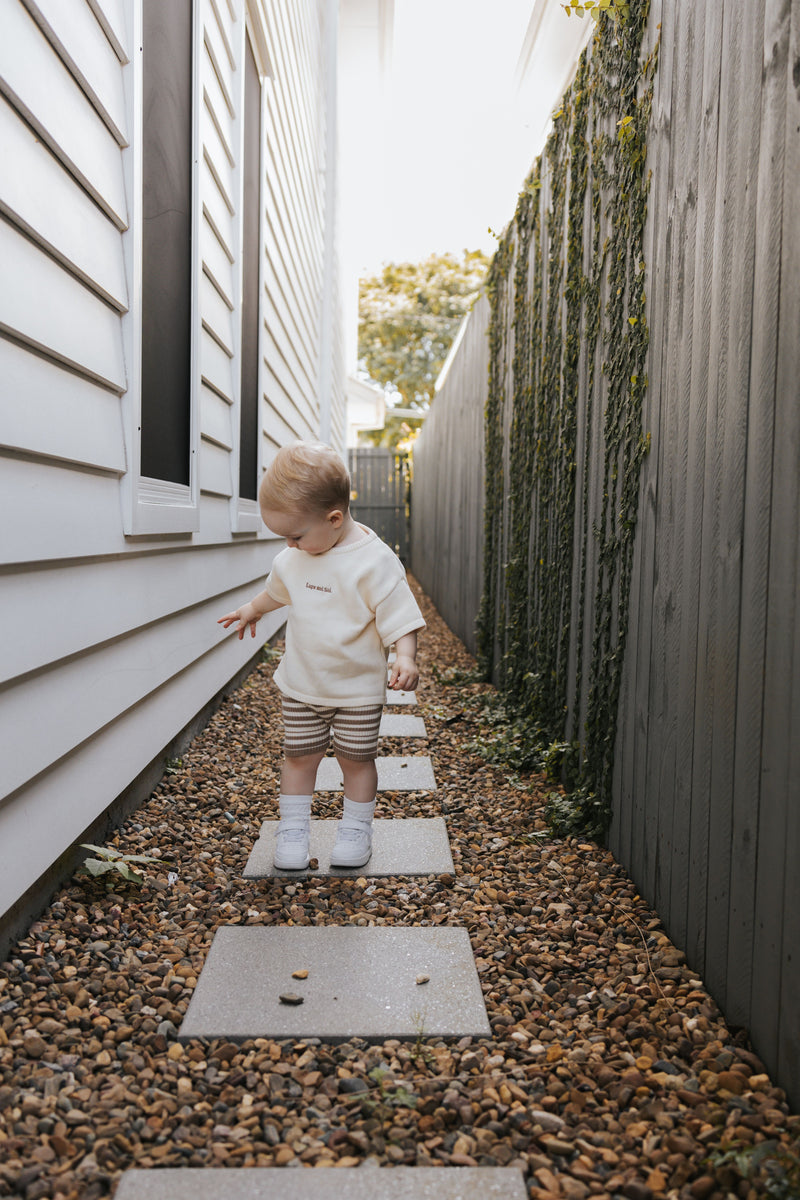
x=448 y=490
x=757 y=517
x=657 y=249
x=697 y=389
x=776 y=961
x=705 y=785
x=787 y=473
x=668 y=593
x=739 y=139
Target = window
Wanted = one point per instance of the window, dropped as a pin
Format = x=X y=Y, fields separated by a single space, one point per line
x=161 y=174
x=251 y=262
x=166 y=240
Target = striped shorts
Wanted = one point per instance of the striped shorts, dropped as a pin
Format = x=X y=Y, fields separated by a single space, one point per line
x=307 y=730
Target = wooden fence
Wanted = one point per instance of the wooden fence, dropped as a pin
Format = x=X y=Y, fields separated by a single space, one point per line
x=706 y=790
x=447 y=513
x=381 y=481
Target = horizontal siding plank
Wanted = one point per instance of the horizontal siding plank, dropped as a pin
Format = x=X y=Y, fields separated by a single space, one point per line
x=216 y=367
x=215 y=418
x=80 y=42
x=282 y=296
x=286 y=262
x=50 y=815
x=37 y=293
x=216 y=315
x=284 y=344
x=43 y=530
x=281 y=387
x=215 y=469
x=111 y=15
x=40 y=86
x=56 y=414
x=128 y=594
x=41 y=196
x=285 y=211
x=79 y=698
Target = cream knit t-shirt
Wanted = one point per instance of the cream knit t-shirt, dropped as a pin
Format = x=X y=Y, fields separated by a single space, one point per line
x=347 y=606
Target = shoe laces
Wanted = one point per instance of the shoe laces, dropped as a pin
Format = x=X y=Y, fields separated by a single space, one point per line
x=349 y=834
x=295 y=833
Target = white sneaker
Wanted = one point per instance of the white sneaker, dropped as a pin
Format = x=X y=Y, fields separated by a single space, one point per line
x=352 y=847
x=291 y=846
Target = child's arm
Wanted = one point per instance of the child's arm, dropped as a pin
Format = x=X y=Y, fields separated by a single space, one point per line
x=250 y=613
x=405 y=675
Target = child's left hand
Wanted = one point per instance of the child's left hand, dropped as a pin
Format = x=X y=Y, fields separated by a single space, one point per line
x=404 y=676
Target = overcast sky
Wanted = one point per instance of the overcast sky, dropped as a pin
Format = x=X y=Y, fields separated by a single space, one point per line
x=457 y=138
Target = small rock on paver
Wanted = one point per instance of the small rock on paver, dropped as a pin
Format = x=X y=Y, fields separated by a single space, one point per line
x=395 y=774
x=411 y=846
x=361 y=983
x=324 y=1183
x=402 y=725
x=393 y=697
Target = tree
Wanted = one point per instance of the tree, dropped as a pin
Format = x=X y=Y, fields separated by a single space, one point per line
x=409 y=315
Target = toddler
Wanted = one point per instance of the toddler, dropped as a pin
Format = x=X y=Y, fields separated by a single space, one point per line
x=348 y=601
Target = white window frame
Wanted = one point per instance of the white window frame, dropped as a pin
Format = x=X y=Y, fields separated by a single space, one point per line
x=156 y=506
x=245 y=515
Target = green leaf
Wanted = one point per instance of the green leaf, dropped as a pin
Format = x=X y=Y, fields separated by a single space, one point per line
x=95 y=867
x=102 y=851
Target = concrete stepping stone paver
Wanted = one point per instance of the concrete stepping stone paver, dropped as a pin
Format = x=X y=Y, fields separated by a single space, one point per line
x=402 y=725
x=395 y=774
x=323 y=1183
x=362 y=982
x=393 y=697
x=411 y=846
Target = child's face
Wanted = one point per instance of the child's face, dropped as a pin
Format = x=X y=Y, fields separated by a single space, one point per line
x=313 y=532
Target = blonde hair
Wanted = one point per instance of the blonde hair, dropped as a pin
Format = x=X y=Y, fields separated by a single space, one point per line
x=305 y=477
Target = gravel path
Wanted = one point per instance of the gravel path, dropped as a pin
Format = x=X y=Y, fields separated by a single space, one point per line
x=610 y=1071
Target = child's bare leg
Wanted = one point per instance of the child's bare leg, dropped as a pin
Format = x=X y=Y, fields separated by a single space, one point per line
x=360 y=780
x=298 y=775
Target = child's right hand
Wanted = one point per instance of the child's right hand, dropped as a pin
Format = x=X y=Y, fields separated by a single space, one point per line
x=248 y=614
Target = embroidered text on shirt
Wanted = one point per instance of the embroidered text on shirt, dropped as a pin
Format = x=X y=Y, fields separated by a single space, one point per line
x=315 y=587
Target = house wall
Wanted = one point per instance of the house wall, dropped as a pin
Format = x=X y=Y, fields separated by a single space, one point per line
x=111 y=584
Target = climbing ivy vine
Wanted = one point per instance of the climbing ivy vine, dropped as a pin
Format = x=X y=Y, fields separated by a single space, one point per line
x=568 y=343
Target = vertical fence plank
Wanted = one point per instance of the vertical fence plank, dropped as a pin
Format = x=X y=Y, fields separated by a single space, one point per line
x=697 y=389
x=668 y=595
x=626 y=821
x=776 y=963
x=758 y=495
x=787 y=486
x=739 y=173
x=659 y=251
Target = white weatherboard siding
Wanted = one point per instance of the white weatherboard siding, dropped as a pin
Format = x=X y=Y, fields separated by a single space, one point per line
x=112 y=644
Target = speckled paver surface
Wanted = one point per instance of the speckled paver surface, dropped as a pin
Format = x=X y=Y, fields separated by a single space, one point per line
x=395 y=774
x=362 y=982
x=412 y=846
x=393 y=697
x=402 y=725
x=325 y=1183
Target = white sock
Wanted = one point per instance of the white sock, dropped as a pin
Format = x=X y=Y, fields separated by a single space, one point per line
x=296 y=809
x=357 y=816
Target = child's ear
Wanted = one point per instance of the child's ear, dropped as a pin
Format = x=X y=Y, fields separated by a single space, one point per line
x=336 y=517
